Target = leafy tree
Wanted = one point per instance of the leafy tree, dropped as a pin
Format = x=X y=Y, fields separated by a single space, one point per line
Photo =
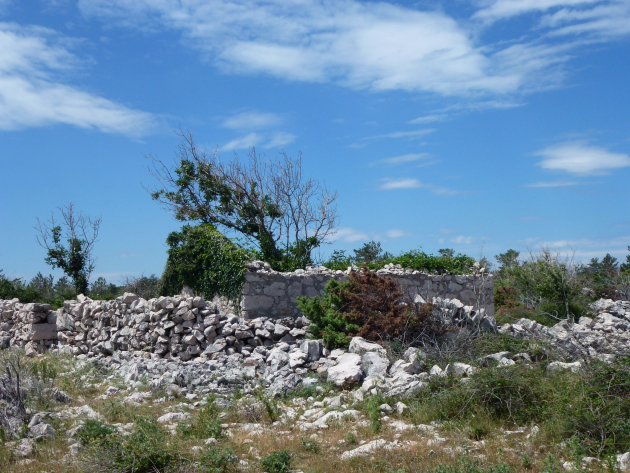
x=548 y=282
x=205 y=260
x=143 y=286
x=75 y=259
x=44 y=285
x=270 y=203
x=370 y=251
x=507 y=260
x=625 y=267
x=101 y=289
x=447 y=252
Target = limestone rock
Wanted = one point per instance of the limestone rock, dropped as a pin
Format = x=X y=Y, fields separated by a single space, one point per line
x=347 y=371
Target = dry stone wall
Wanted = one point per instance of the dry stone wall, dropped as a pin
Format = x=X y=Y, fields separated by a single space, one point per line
x=181 y=327
x=268 y=293
x=186 y=327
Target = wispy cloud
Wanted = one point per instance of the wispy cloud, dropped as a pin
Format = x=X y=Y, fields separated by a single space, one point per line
x=413 y=183
x=396 y=233
x=243 y=142
x=403 y=134
x=33 y=66
x=579 y=158
x=350 y=235
x=586 y=248
x=374 y=45
x=401 y=183
x=544 y=184
x=462 y=240
x=429 y=119
x=418 y=158
x=253 y=120
x=501 y=9
x=280 y=139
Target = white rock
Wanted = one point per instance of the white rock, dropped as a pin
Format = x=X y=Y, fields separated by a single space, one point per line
x=374 y=363
x=360 y=346
x=623 y=461
x=173 y=417
x=560 y=366
x=364 y=449
x=347 y=371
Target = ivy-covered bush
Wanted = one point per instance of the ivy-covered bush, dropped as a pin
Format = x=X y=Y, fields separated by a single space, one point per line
x=206 y=261
x=367 y=305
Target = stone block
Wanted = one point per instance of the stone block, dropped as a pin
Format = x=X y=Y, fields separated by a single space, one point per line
x=37 y=332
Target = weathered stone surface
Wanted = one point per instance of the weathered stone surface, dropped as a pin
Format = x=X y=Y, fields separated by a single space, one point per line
x=38 y=332
x=374 y=364
x=360 y=346
x=347 y=371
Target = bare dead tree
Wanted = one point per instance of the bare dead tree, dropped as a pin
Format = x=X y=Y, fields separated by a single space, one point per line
x=284 y=214
x=12 y=397
x=81 y=233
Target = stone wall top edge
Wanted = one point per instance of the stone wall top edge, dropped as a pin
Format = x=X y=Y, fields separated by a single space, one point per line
x=328 y=272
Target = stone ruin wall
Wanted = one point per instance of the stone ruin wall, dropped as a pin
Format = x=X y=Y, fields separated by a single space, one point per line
x=268 y=293
x=187 y=327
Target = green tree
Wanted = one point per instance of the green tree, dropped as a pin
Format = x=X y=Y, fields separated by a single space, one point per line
x=369 y=252
x=206 y=261
x=447 y=252
x=101 y=289
x=625 y=267
x=44 y=285
x=75 y=259
x=507 y=260
x=281 y=213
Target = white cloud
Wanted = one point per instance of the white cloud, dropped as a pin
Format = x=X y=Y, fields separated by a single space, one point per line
x=396 y=233
x=350 y=235
x=576 y=157
x=404 y=134
x=544 y=184
x=413 y=183
x=280 y=139
x=462 y=240
x=243 y=142
x=586 y=248
x=373 y=45
x=429 y=119
x=32 y=60
x=404 y=159
x=499 y=9
x=252 y=120
x=401 y=183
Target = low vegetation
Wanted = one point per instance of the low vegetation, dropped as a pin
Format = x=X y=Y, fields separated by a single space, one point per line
x=504 y=419
x=549 y=287
x=370 y=306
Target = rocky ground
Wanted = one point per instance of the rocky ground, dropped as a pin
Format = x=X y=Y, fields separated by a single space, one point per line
x=364 y=409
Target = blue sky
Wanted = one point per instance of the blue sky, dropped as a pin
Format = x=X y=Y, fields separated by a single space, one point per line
x=477 y=125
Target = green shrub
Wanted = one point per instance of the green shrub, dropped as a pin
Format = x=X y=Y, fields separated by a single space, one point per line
x=205 y=425
x=592 y=405
x=206 y=261
x=468 y=466
x=445 y=263
x=367 y=305
x=351 y=438
x=547 y=282
x=278 y=461
x=372 y=406
x=145 y=450
x=93 y=430
x=216 y=459
x=310 y=445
